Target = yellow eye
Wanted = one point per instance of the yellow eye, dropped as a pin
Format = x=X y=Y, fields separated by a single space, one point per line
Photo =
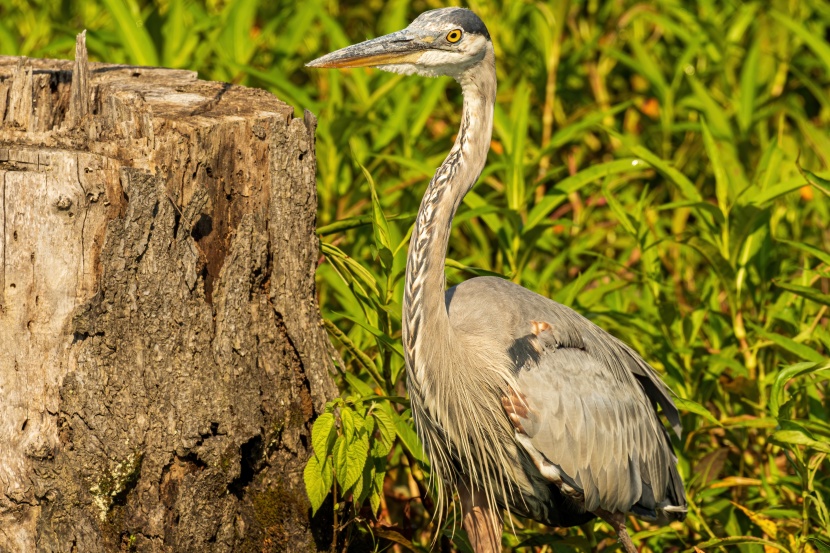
x=454 y=35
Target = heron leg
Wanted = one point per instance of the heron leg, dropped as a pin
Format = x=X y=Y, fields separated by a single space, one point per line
x=617 y=522
x=483 y=524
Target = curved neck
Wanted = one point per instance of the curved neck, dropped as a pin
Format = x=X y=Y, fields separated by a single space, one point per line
x=423 y=303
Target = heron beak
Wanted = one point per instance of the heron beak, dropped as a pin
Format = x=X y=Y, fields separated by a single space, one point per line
x=396 y=48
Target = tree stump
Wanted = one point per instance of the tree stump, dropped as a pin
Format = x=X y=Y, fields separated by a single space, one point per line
x=161 y=353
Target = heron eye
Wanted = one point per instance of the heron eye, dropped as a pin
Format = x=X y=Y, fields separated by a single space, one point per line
x=454 y=35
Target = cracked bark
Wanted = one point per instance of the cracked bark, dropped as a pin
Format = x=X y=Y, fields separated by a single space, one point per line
x=161 y=353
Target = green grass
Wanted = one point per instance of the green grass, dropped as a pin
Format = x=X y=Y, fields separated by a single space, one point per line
x=661 y=167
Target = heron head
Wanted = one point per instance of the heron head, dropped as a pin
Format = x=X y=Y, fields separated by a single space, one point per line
x=447 y=41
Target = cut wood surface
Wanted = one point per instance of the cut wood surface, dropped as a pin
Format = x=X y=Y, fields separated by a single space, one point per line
x=161 y=353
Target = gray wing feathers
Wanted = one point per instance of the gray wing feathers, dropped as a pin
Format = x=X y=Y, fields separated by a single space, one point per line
x=602 y=436
x=591 y=398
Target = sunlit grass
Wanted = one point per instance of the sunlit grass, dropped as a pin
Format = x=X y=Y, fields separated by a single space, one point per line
x=650 y=168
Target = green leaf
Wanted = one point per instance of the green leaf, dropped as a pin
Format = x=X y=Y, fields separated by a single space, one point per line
x=619 y=210
x=721 y=266
x=408 y=437
x=687 y=188
x=816 y=43
x=323 y=435
x=314 y=483
x=341 y=459
x=805 y=292
x=355 y=268
x=795 y=437
x=775 y=191
x=374 y=502
x=543 y=209
x=362 y=359
x=713 y=150
x=576 y=130
x=139 y=46
x=822 y=184
x=749 y=73
x=519 y=119
x=359 y=221
x=713 y=111
x=347 y=420
x=357 y=453
x=696 y=408
x=453 y=264
x=737 y=540
x=358 y=385
x=822 y=256
x=768 y=168
x=591 y=174
x=785 y=375
x=379 y=224
x=386 y=428
x=805 y=352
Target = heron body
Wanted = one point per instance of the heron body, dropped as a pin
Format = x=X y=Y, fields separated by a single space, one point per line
x=521 y=403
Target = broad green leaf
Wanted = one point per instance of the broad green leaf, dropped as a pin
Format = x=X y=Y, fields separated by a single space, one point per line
x=341 y=459
x=386 y=427
x=323 y=435
x=357 y=453
x=347 y=420
x=377 y=490
x=314 y=483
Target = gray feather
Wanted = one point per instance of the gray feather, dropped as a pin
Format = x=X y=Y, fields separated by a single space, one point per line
x=591 y=397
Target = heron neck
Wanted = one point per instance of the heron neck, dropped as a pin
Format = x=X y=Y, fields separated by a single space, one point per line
x=425 y=318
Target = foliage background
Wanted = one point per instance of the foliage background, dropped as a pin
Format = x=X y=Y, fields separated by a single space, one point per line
x=659 y=166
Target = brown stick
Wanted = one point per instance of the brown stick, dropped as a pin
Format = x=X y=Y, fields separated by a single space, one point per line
x=617 y=522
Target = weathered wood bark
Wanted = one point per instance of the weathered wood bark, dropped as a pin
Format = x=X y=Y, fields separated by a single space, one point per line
x=160 y=348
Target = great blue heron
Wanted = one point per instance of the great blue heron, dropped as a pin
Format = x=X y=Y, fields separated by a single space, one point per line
x=520 y=402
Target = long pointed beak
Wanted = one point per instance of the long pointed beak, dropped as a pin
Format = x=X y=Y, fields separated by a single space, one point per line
x=396 y=48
